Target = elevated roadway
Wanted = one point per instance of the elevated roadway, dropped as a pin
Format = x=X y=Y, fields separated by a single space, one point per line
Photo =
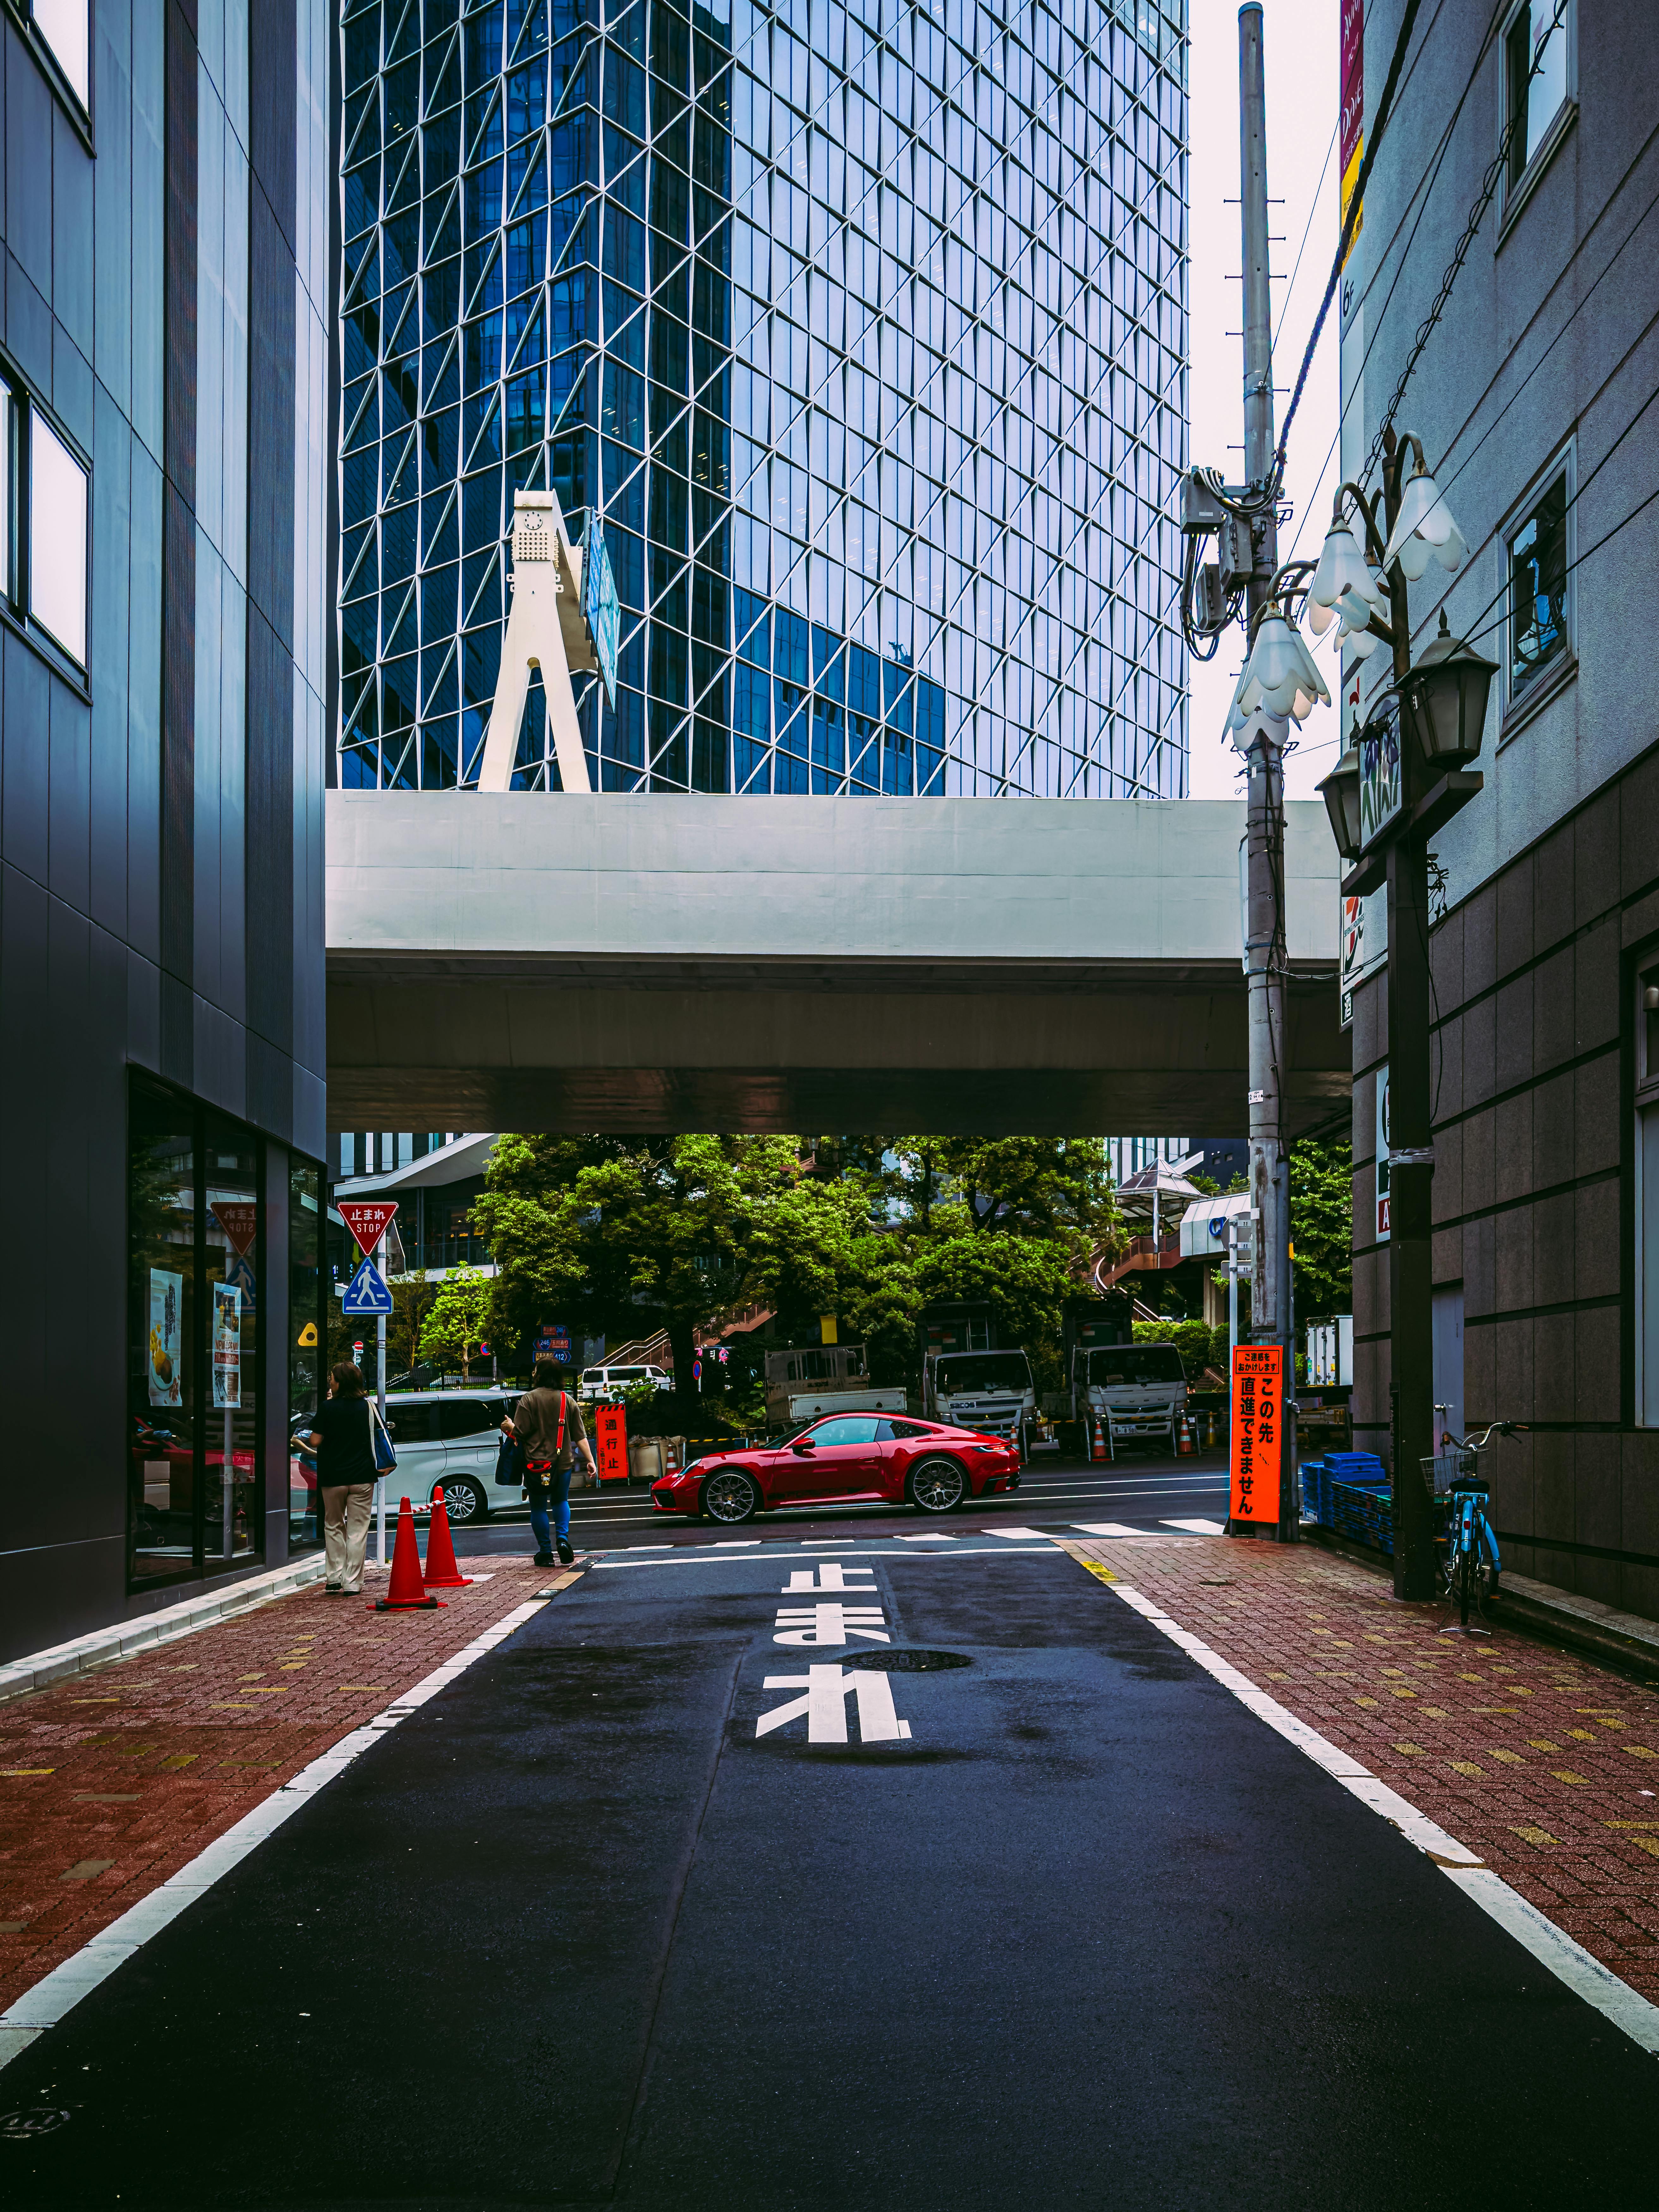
x=661 y=961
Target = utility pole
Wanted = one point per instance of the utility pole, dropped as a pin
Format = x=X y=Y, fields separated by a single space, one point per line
x=1265 y=940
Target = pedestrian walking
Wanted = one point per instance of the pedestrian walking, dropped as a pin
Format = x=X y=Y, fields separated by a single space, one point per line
x=548 y=1422
x=342 y=1437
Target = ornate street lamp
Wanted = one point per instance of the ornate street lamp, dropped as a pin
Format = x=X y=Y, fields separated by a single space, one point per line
x=1341 y=793
x=1442 y=700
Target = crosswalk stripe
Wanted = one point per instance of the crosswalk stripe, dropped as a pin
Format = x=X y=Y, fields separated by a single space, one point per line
x=1199 y=1527
x=1106 y=1529
x=1038 y=1536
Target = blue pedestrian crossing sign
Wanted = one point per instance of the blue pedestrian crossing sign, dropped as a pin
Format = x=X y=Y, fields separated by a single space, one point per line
x=367 y=1292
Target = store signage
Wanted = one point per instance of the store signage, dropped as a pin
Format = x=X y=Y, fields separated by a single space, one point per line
x=1353 y=111
x=167 y=1293
x=308 y=1337
x=227 y=1344
x=240 y=1219
x=367 y=1292
x=1379 y=775
x=1258 y=1445
x=1383 y=1156
x=368 y=1219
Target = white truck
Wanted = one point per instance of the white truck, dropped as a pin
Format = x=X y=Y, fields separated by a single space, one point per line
x=803 y=1381
x=1143 y=1387
x=991 y=1391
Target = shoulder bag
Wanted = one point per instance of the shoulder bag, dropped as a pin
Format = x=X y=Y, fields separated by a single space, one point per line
x=386 y=1458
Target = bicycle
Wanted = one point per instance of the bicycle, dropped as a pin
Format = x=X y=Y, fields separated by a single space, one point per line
x=1473 y=1564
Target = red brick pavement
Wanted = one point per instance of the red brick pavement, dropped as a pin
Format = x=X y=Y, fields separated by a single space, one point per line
x=112 y=1780
x=1545 y=1763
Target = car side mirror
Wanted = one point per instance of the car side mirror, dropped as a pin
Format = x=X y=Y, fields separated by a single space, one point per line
x=804 y=1444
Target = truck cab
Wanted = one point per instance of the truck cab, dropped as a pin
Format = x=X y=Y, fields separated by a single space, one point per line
x=991 y=1391
x=1142 y=1386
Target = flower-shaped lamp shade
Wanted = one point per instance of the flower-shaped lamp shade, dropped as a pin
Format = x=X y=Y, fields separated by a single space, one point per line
x=1423 y=529
x=1343 y=570
x=1279 y=676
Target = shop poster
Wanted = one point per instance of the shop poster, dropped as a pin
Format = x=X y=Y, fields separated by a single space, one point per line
x=227 y=1344
x=167 y=1301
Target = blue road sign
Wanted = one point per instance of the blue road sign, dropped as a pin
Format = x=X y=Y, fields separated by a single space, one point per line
x=1219 y=1226
x=367 y=1293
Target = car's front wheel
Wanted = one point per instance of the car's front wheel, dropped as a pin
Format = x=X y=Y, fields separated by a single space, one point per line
x=937 y=1486
x=463 y=1500
x=728 y=1495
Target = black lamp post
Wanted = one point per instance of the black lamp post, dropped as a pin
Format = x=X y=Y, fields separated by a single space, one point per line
x=1441 y=702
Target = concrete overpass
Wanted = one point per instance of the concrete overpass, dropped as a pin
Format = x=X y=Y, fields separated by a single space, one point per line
x=656 y=961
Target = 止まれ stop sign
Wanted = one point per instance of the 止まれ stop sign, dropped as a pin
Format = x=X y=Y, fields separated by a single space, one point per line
x=368 y=1219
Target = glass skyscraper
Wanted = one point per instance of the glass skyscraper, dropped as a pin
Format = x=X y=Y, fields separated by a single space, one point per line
x=862 y=329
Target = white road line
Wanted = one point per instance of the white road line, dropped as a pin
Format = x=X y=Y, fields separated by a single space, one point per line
x=697 y=1555
x=933 y=1536
x=1198 y=1527
x=726 y=1544
x=1020 y=1535
x=1106 y=1529
x=1551 y=1946
x=45 y=2004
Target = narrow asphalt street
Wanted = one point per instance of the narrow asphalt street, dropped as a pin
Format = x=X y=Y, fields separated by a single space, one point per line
x=833 y=1876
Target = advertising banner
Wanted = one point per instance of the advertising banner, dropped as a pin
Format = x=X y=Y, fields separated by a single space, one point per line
x=1383 y=1156
x=227 y=1344
x=1352 y=117
x=166 y=1300
x=1379 y=775
x=1258 y=1396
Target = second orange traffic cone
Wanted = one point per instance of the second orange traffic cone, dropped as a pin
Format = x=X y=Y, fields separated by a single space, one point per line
x=407 y=1591
x=441 y=1571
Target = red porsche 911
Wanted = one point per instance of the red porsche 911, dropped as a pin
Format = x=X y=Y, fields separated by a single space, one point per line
x=842 y=1459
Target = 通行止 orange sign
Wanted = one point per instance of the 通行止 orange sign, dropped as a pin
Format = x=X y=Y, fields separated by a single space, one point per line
x=1258 y=1405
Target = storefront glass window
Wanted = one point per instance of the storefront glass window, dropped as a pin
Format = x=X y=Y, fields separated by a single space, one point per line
x=161 y=1331
x=305 y=1339
x=233 y=1515
x=195 y=1298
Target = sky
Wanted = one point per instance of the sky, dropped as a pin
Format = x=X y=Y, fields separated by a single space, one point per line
x=1302 y=82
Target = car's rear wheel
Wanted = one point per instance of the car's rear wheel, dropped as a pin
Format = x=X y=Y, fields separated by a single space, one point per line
x=936 y=1486
x=729 y=1496
x=464 y=1500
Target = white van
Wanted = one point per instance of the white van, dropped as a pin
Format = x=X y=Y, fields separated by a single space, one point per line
x=448 y=1440
x=1143 y=1386
x=612 y=1382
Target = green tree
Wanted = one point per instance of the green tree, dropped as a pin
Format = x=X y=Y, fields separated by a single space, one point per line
x=457 y=1320
x=1321 y=1226
x=412 y=1300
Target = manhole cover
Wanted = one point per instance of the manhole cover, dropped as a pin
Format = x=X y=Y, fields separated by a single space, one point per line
x=907 y=1663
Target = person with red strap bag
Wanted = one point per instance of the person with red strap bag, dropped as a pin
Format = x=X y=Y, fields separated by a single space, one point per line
x=548 y=1423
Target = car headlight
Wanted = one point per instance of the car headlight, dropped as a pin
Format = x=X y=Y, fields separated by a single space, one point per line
x=692 y=1469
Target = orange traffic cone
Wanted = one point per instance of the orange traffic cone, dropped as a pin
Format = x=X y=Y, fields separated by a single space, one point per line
x=407 y=1590
x=441 y=1571
x=1183 y=1448
x=1099 y=1452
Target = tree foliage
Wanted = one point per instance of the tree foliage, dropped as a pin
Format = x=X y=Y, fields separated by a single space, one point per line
x=1322 y=1227
x=458 y=1321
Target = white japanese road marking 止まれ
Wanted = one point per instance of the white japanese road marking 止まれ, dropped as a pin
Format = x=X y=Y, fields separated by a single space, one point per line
x=830 y=1623
x=825 y=1706
x=831 y=1575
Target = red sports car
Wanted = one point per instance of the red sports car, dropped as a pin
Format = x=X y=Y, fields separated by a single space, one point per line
x=841 y=1458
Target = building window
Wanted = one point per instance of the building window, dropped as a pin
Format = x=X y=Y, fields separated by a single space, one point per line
x=308 y=1337
x=195 y=1227
x=1535 y=82
x=1540 y=564
x=43 y=523
x=64 y=28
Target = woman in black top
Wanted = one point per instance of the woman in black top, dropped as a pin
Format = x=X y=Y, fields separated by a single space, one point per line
x=343 y=1441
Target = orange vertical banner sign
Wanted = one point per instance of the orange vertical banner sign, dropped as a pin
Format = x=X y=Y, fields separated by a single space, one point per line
x=1258 y=1431
x=611 y=1433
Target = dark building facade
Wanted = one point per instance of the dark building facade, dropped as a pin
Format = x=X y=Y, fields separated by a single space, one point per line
x=1532 y=398
x=163 y=632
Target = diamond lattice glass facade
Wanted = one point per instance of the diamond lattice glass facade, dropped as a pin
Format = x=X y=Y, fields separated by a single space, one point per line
x=864 y=330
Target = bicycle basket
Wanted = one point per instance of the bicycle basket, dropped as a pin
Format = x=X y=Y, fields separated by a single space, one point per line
x=1458 y=1469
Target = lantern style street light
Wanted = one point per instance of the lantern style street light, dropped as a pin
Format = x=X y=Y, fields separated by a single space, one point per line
x=1375 y=550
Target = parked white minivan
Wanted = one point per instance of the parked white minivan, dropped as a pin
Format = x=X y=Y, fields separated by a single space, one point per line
x=612 y=1382
x=448 y=1440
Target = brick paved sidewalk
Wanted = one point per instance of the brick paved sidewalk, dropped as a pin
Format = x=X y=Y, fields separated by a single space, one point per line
x=1545 y=1763
x=113 y=1779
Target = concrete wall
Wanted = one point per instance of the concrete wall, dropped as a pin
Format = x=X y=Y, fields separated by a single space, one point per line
x=658 y=962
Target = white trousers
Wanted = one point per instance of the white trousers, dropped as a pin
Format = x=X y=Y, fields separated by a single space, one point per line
x=346 y=1511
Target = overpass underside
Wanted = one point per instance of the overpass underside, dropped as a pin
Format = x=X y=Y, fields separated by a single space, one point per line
x=972 y=1047
x=657 y=963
